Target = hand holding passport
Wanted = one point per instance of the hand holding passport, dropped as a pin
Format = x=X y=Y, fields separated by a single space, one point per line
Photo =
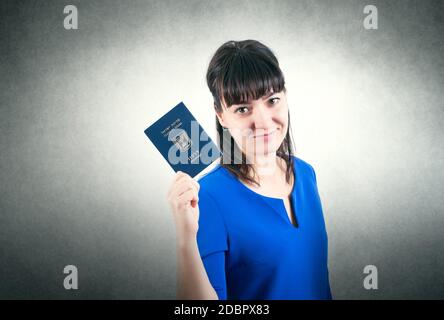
x=182 y=141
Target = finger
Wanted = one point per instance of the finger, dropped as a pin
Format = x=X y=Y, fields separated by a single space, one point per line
x=185 y=185
x=180 y=179
x=182 y=175
x=179 y=176
x=187 y=197
x=194 y=182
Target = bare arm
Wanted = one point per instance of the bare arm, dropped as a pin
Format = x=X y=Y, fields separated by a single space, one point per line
x=192 y=279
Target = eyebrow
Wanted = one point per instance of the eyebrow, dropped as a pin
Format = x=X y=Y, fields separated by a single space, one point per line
x=269 y=95
x=264 y=98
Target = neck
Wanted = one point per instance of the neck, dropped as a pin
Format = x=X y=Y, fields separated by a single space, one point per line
x=267 y=166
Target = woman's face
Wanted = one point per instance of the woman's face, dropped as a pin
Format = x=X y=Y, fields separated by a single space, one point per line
x=258 y=127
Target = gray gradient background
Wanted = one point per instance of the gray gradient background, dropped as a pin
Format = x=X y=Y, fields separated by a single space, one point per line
x=82 y=185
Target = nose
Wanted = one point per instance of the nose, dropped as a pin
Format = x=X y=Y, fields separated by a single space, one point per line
x=261 y=119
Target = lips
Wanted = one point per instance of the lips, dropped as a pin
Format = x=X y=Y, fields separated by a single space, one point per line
x=265 y=135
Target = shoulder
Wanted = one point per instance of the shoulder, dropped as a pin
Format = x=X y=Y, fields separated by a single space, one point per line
x=304 y=169
x=212 y=182
x=219 y=178
x=302 y=164
x=210 y=179
x=219 y=175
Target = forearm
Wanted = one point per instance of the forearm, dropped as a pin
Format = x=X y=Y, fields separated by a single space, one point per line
x=192 y=279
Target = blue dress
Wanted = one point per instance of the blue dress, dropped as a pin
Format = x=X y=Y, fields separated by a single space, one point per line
x=248 y=245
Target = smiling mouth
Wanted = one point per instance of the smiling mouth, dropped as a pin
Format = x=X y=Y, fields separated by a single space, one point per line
x=265 y=135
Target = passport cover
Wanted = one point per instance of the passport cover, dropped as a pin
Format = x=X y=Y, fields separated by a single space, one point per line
x=182 y=141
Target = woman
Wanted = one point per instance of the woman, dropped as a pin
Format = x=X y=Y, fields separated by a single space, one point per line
x=253 y=227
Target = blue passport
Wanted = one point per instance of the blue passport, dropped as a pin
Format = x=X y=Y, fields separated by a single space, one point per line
x=182 y=141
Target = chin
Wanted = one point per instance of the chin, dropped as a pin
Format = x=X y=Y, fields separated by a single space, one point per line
x=266 y=150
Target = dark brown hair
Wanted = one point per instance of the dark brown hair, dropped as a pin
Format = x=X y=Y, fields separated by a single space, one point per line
x=238 y=72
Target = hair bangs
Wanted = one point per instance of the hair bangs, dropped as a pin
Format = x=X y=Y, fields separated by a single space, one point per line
x=249 y=78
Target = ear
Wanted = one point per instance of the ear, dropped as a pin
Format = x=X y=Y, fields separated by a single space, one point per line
x=220 y=117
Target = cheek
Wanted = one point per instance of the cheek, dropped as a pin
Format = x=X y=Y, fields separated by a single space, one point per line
x=282 y=119
x=240 y=128
x=240 y=133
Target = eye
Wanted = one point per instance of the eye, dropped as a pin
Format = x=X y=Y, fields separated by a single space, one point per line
x=274 y=100
x=238 y=110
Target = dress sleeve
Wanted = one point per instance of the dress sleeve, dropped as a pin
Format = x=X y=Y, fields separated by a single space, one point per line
x=329 y=296
x=314 y=174
x=328 y=289
x=315 y=183
x=215 y=265
x=212 y=240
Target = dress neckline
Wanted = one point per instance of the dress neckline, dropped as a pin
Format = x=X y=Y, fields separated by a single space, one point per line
x=277 y=204
x=295 y=181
